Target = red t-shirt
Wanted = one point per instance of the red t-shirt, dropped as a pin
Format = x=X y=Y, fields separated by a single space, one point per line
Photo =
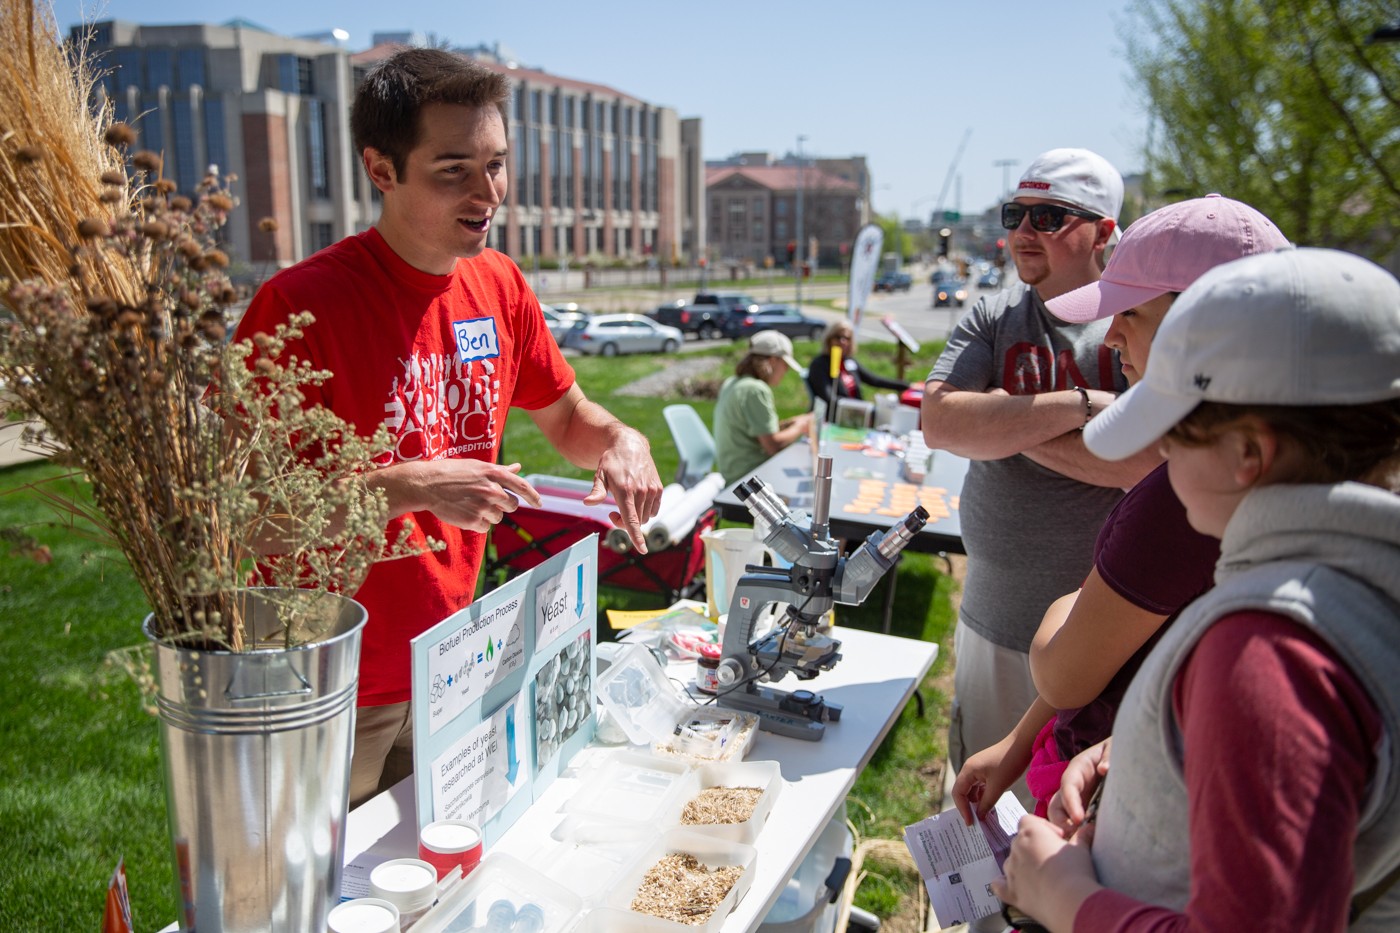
x=438 y=360
x=1280 y=742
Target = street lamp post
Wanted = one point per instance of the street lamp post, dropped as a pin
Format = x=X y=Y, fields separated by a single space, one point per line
x=1005 y=166
x=800 y=231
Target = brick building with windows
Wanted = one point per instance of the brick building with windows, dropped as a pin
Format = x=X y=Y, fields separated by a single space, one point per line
x=752 y=212
x=595 y=174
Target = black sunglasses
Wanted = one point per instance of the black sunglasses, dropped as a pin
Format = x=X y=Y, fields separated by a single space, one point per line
x=1045 y=218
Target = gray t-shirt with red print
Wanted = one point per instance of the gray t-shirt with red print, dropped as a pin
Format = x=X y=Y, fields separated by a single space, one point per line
x=1028 y=531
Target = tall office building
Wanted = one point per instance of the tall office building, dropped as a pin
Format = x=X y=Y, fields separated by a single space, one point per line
x=597 y=174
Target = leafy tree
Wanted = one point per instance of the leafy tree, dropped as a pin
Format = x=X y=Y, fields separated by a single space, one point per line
x=895 y=241
x=1278 y=103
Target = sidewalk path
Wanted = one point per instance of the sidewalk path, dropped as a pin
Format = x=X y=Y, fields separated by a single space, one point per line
x=12 y=449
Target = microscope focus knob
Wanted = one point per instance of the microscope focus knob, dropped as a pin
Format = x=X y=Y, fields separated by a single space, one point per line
x=729 y=672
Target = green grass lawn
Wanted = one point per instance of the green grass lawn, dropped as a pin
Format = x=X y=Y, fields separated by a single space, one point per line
x=80 y=772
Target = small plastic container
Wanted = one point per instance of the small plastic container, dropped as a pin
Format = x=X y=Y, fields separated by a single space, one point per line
x=708 y=733
x=449 y=844
x=638 y=696
x=586 y=854
x=765 y=775
x=618 y=917
x=633 y=788
x=506 y=892
x=363 y=915
x=707 y=674
x=410 y=884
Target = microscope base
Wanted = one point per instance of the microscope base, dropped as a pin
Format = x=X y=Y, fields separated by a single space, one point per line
x=799 y=715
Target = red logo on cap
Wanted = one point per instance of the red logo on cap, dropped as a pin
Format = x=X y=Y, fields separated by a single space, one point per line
x=1037 y=185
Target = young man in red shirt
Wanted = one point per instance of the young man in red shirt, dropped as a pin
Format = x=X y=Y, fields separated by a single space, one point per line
x=435 y=336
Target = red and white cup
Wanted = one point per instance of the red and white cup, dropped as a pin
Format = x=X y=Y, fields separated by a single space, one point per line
x=449 y=844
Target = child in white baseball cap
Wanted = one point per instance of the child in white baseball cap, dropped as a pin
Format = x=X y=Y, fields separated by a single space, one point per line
x=1256 y=755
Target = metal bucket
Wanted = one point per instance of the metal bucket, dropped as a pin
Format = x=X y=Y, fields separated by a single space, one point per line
x=257 y=751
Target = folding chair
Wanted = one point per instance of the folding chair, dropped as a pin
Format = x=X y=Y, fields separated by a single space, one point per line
x=693 y=442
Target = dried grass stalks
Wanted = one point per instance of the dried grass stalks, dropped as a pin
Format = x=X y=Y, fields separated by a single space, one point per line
x=115 y=337
x=55 y=157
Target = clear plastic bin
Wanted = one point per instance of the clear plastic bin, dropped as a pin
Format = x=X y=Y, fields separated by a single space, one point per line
x=498 y=884
x=587 y=854
x=634 y=788
x=808 y=903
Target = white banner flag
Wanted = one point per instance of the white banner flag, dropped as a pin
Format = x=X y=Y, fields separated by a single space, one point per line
x=865 y=260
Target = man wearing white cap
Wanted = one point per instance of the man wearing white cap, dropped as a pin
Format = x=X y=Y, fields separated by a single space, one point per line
x=1011 y=392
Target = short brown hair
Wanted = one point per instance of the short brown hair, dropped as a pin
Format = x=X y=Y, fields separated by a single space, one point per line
x=1341 y=442
x=385 y=115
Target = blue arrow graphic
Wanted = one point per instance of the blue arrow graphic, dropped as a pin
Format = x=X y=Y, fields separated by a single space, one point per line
x=578 y=603
x=512 y=762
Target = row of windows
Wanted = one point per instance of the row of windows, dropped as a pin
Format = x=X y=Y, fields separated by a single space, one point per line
x=594 y=240
x=149 y=70
x=540 y=115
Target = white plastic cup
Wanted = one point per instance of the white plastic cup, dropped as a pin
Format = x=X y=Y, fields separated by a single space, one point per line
x=904 y=420
x=364 y=915
x=410 y=884
x=449 y=844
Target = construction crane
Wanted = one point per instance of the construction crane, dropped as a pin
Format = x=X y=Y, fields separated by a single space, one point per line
x=948 y=179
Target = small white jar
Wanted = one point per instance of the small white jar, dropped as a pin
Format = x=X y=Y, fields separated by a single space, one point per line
x=364 y=915
x=410 y=884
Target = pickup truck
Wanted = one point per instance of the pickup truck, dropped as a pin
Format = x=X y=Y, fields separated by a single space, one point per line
x=704 y=316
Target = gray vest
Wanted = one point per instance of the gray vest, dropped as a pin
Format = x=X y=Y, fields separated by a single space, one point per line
x=1141 y=843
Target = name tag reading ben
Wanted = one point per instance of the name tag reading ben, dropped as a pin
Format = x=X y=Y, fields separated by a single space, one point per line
x=476 y=339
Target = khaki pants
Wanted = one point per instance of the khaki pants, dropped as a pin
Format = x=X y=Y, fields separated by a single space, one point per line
x=383 y=750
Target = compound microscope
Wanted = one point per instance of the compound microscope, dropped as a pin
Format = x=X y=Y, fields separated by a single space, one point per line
x=803 y=594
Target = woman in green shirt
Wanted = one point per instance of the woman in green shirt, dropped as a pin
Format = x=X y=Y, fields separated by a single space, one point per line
x=746 y=429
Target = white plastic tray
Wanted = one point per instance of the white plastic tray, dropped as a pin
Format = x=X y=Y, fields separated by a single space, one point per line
x=616 y=917
x=766 y=775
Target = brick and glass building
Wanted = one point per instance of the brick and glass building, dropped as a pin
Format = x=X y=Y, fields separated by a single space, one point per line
x=596 y=173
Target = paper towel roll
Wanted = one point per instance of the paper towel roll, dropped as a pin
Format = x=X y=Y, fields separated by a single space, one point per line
x=671 y=526
x=617 y=540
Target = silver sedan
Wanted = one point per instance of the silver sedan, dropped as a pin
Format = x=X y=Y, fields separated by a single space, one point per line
x=611 y=334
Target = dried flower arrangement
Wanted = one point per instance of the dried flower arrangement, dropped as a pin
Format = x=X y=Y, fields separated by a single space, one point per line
x=682 y=888
x=114 y=316
x=721 y=806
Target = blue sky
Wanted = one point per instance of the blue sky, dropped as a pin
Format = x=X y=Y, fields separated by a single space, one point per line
x=898 y=82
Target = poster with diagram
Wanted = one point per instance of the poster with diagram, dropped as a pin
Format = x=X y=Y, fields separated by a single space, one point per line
x=503 y=693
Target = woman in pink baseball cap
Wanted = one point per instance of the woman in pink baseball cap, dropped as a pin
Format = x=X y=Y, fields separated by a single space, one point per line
x=1148 y=561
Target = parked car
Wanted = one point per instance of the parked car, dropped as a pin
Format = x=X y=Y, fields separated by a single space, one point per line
x=559 y=325
x=705 y=316
x=611 y=334
x=783 y=318
x=950 y=292
x=701 y=320
x=894 y=282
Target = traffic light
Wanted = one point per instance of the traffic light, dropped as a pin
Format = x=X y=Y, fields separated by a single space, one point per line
x=792 y=251
x=944 y=236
